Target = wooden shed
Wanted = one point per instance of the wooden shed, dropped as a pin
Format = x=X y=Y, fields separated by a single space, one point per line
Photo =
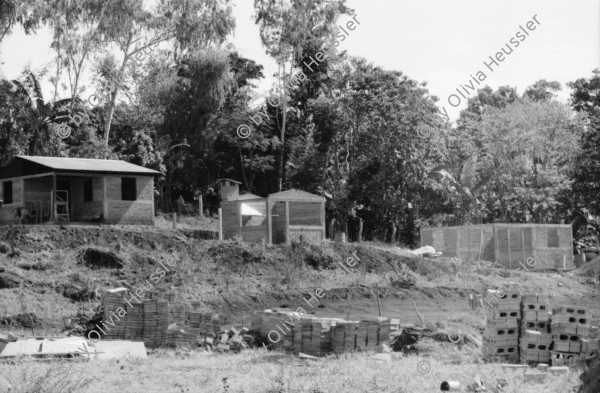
x=530 y=246
x=282 y=217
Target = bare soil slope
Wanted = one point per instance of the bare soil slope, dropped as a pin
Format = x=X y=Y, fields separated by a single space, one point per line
x=236 y=279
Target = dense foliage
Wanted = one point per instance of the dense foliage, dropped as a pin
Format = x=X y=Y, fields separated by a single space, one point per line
x=170 y=95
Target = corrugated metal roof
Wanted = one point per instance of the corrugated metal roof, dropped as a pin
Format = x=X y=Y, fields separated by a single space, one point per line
x=88 y=165
x=296 y=194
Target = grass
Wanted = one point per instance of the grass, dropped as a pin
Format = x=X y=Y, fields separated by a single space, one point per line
x=264 y=372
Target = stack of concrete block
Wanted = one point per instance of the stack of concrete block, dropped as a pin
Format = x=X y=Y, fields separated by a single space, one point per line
x=535 y=346
x=536 y=337
x=156 y=322
x=112 y=301
x=570 y=325
x=501 y=334
x=350 y=330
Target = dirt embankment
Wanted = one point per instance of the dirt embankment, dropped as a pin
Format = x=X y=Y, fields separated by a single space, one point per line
x=236 y=279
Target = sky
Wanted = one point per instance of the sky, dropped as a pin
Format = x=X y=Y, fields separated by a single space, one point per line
x=441 y=42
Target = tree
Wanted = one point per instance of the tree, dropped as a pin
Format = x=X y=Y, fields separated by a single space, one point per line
x=135 y=28
x=525 y=151
x=24 y=12
x=542 y=90
x=362 y=149
x=586 y=187
x=287 y=27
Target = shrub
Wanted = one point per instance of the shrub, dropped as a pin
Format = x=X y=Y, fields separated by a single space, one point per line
x=405 y=278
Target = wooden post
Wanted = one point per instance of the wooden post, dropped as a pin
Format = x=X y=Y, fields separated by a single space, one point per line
x=174 y=220
x=287 y=222
x=200 y=205
x=458 y=242
x=360 y=229
x=523 y=244
x=54 y=197
x=323 y=221
x=269 y=223
x=509 y=254
x=469 y=236
x=105 y=199
x=220 y=223
x=481 y=238
x=495 y=233
x=378 y=305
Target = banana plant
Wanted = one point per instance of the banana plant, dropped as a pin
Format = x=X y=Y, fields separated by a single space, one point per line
x=467 y=184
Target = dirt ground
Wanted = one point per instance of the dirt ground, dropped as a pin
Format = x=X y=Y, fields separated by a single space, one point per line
x=237 y=279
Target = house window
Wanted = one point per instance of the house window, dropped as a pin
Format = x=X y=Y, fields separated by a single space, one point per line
x=88 y=190
x=7 y=195
x=128 y=189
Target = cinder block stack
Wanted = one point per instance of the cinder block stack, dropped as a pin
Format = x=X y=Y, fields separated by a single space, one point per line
x=535 y=346
x=134 y=324
x=350 y=336
x=362 y=332
x=373 y=333
x=338 y=337
x=111 y=301
x=321 y=337
x=536 y=338
x=570 y=325
x=501 y=337
x=385 y=330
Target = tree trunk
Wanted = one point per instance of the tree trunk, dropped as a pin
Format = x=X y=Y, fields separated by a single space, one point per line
x=113 y=101
x=332 y=229
x=393 y=238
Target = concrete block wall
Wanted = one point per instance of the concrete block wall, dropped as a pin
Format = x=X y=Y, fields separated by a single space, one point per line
x=8 y=211
x=140 y=211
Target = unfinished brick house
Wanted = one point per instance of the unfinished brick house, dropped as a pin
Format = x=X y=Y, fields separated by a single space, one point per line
x=62 y=190
x=282 y=217
x=536 y=246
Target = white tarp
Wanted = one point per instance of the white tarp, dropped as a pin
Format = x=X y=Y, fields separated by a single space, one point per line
x=250 y=211
x=78 y=346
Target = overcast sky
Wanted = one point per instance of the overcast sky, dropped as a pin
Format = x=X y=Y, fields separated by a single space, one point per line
x=438 y=41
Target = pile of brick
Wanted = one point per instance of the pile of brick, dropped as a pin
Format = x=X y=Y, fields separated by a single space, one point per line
x=501 y=333
x=570 y=331
x=156 y=320
x=536 y=338
x=146 y=321
x=320 y=336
